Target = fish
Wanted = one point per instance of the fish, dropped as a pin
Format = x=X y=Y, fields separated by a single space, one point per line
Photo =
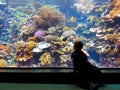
x=28 y=11
x=109 y=29
x=37 y=4
x=100 y=8
x=80 y=25
x=91 y=18
x=73 y=19
x=66 y=28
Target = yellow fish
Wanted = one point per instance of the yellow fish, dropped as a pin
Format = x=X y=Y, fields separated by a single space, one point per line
x=66 y=28
x=73 y=19
x=91 y=18
x=109 y=29
x=99 y=10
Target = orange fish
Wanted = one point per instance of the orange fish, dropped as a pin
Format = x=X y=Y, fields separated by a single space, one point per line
x=28 y=11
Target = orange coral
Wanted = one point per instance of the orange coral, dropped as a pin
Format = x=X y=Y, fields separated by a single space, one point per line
x=116 y=10
x=5 y=48
x=111 y=37
x=32 y=38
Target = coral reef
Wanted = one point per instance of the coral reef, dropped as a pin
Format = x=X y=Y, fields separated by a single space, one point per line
x=3 y=63
x=32 y=38
x=84 y=6
x=24 y=55
x=39 y=33
x=5 y=48
x=116 y=10
x=46 y=59
x=113 y=11
x=28 y=49
x=49 y=16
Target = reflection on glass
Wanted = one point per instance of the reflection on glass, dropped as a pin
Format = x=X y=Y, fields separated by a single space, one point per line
x=40 y=33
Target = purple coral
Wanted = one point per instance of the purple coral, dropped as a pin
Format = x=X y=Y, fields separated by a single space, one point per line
x=39 y=33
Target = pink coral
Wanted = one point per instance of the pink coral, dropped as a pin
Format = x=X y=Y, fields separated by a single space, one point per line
x=39 y=33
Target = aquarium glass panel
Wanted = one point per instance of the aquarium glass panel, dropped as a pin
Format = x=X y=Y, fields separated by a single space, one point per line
x=41 y=33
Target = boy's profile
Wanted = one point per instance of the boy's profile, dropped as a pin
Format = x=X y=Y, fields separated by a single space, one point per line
x=85 y=70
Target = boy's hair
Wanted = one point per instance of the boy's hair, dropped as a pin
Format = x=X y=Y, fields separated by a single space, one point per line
x=78 y=45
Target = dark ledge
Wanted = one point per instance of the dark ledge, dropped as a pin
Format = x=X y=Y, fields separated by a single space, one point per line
x=52 y=75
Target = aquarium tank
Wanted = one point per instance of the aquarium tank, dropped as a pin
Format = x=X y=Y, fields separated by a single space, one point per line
x=41 y=33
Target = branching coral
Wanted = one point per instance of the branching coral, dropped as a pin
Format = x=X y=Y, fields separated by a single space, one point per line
x=111 y=37
x=112 y=12
x=116 y=10
x=49 y=16
x=24 y=52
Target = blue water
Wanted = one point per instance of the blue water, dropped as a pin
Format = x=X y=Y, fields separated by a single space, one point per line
x=59 y=23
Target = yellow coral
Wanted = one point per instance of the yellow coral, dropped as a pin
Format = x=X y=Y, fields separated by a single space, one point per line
x=113 y=52
x=46 y=59
x=19 y=46
x=116 y=10
x=117 y=62
x=114 y=13
x=30 y=45
x=27 y=51
x=3 y=63
x=111 y=37
x=64 y=58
